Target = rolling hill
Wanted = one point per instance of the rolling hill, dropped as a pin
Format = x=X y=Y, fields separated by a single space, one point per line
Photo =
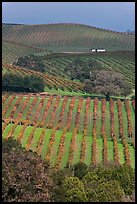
x=62 y=129
x=67 y=37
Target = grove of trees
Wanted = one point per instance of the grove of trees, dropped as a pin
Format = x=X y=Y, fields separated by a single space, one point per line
x=20 y=83
x=30 y=62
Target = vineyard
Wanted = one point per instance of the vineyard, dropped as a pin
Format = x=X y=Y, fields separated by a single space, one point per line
x=62 y=129
x=120 y=62
x=56 y=76
x=67 y=130
x=52 y=82
x=11 y=51
x=67 y=37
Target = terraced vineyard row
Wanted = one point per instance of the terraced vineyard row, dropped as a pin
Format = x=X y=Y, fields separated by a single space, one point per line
x=50 y=81
x=67 y=37
x=76 y=129
x=64 y=148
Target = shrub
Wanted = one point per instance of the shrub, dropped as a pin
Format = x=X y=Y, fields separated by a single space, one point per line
x=80 y=169
x=73 y=190
x=126 y=176
x=99 y=189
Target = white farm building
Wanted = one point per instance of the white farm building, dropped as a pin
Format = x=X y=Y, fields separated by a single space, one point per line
x=98 y=50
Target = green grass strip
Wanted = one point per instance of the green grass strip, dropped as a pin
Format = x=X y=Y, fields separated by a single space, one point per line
x=125 y=121
x=88 y=150
x=26 y=136
x=65 y=116
x=110 y=149
x=5 y=103
x=82 y=117
x=65 y=156
x=132 y=156
x=19 y=108
x=99 y=153
x=24 y=115
x=45 y=143
x=50 y=110
x=121 y=153
x=33 y=111
x=132 y=117
x=17 y=131
x=35 y=139
x=74 y=115
x=116 y=121
x=90 y=118
x=6 y=131
x=77 y=149
x=10 y=108
x=107 y=120
x=43 y=109
x=54 y=151
x=58 y=112
x=99 y=119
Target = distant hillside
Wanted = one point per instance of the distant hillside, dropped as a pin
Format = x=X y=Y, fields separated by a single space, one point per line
x=11 y=51
x=67 y=37
x=132 y=32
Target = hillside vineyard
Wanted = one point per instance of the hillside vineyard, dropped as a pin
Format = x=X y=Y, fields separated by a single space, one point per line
x=67 y=123
x=68 y=130
x=66 y=37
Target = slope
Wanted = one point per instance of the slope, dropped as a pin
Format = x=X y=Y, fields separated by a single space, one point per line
x=68 y=37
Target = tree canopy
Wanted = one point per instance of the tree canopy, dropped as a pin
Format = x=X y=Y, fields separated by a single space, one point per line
x=107 y=83
x=18 y=82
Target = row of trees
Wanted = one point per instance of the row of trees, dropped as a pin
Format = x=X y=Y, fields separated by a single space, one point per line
x=20 y=83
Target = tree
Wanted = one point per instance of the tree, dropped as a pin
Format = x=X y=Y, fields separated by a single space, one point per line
x=125 y=175
x=80 y=169
x=101 y=189
x=73 y=190
x=107 y=83
x=80 y=69
x=30 y=62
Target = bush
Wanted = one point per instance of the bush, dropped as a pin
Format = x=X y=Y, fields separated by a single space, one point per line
x=80 y=170
x=73 y=190
x=125 y=175
x=107 y=191
x=99 y=189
